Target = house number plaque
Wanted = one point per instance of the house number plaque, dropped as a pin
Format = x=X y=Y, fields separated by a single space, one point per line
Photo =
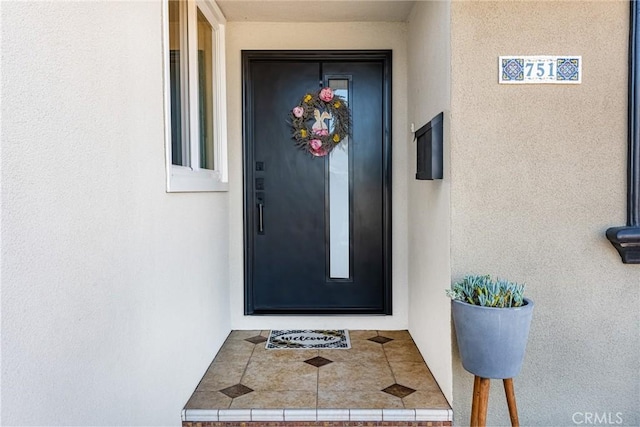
x=540 y=69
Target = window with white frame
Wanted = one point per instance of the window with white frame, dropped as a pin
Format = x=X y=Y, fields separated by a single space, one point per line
x=195 y=109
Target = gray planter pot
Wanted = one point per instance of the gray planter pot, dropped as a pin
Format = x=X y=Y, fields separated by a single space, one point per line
x=492 y=341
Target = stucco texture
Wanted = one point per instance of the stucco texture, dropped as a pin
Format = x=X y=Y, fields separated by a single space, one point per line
x=114 y=293
x=429 y=213
x=537 y=175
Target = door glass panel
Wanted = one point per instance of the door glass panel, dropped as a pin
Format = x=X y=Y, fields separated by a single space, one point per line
x=339 y=221
x=205 y=90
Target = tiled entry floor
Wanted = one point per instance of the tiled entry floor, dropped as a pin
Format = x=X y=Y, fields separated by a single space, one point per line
x=381 y=378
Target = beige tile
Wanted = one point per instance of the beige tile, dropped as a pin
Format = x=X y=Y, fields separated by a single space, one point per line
x=365 y=345
x=333 y=399
x=221 y=375
x=260 y=354
x=355 y=376
x=360 y=351
x=276 y=400
x=414 y=375
x=235 y=351
x=241 y=335
x=396 y=335
x=362 y=335
x=208 y=400
x=426 y=399
x=270 y=376
x=280 y=378
x=402 y=351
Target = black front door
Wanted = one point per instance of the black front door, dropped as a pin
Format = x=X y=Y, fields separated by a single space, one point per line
x=317 y=229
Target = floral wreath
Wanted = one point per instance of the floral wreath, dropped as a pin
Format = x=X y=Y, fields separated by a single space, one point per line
x=311 y=119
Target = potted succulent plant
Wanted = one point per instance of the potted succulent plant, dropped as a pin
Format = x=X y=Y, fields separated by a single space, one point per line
x=491 y=319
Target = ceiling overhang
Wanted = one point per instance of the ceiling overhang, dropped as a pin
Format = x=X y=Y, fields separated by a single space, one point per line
x=316 y=11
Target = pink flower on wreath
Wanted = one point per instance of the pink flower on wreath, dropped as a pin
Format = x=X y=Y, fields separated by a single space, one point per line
x=326 y=94
x=321 y=132
x=317 y=149
x=320 y=152
x=298 y=111
x=315 y=144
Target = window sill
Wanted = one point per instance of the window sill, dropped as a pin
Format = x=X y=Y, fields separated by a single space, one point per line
x=186 y=180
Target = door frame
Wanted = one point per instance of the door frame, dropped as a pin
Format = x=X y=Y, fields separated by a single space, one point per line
x=249 y=220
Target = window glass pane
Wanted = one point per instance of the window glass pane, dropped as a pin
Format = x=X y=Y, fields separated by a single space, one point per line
x=178 y=82
x=205 y=90
x=339 y=221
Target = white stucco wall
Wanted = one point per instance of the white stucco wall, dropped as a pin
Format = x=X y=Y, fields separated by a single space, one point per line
x=353 y=35
x=538 y=175
x=114 y=293
x=429 y=82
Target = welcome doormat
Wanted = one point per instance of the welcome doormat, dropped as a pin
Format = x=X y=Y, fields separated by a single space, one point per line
x=310 y=339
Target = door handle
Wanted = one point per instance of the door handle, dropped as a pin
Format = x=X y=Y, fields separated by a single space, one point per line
x=260 y=218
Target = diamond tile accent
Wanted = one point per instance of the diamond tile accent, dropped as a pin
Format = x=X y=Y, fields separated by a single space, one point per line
x=398 y=390
x=380 y=339
x=256 y=340
x=512 y=69
x=318 y=361
x=236 y=390
x=568 y=68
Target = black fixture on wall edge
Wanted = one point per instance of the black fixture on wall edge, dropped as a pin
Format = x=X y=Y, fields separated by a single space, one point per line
x=429 y=149
x=626 y=239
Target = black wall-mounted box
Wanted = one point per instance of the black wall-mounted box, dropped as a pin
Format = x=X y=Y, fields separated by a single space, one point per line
x=429 y=140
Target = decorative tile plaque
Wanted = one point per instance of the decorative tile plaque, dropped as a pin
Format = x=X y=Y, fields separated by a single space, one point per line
x=540 y=69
